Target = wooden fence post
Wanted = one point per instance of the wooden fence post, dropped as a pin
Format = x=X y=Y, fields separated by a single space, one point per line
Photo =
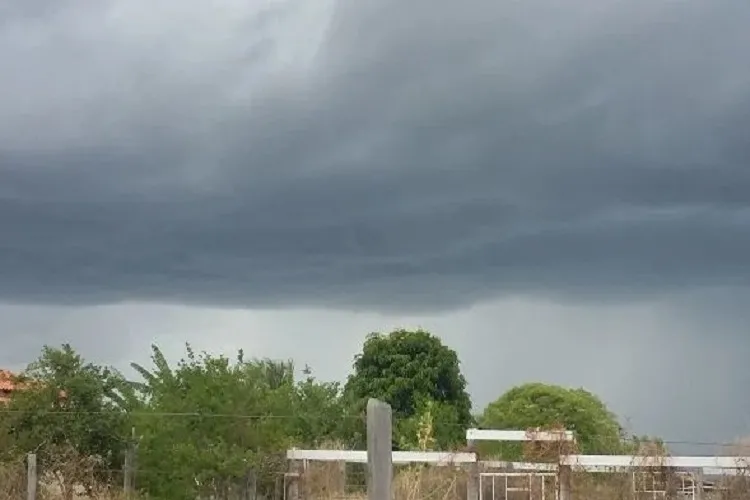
x=698 y=484
x=379 y=451
x=292 y=481
x=32 y=479
x=342 y=478
x=251 y=485
x=565 y=479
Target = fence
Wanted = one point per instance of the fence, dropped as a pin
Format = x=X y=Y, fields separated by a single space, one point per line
x=383 y=474
x=70 y=480
x=29 y=482
x=337 y=474
x=565 y=476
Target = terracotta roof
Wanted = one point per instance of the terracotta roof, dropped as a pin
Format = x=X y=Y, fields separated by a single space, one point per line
x=7 y=382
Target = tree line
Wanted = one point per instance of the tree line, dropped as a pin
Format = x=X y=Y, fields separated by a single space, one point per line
x=211 y=416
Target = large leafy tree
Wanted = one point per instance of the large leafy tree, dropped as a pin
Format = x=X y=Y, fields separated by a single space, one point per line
x=537 y=405
x=418 y=376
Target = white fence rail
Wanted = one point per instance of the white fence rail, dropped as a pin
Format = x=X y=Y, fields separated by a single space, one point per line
x=399 y=457
x=516 y=435
x=590 y=463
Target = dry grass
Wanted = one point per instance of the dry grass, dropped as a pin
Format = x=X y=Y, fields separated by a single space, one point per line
x=13 y=487
x=433 y=483
x=329 y=481
x=326 y=480
x=12 y=480
x=658 y=482
x=69 y=476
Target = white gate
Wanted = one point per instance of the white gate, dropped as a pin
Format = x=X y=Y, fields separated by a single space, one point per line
x=518 y=486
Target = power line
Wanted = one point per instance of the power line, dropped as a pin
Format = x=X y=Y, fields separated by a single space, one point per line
x=277 y=416
x=240 y=416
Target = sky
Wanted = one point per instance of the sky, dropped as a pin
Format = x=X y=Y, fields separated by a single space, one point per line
x=559 y=190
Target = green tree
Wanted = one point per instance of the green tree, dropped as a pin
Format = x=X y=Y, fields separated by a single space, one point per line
x=537 y=405
x=412 y=371
x=319 y=412
x=68 y=403
x=210 y=421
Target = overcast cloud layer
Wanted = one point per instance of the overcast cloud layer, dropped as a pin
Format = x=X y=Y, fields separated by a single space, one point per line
x=371 y=153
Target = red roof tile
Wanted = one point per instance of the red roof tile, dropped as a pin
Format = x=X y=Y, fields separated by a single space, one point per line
x=7 y=382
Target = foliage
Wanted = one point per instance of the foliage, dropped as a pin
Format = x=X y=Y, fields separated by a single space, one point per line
x=318 y=410
x=537 y=405
x=224 y=420
x=208 y=423
x=69 y=403
x=232 y=417
x=413 y=371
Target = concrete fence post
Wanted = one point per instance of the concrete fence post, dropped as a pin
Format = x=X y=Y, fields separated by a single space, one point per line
x=379 y=451
x=128 y=467
x=32 y=479
x=472 y=479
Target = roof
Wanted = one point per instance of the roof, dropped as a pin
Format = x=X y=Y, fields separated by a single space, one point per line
x=7 y=381
x=10 y=383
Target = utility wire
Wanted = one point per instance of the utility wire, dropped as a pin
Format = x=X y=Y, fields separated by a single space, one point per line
x=263 y=416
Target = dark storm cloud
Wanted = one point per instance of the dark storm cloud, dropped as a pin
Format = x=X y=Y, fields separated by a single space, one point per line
x=407 y=157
